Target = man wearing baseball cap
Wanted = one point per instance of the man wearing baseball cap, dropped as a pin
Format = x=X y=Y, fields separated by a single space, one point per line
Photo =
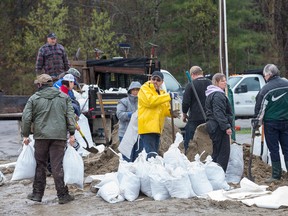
x=52 y=58
x=153 y=107
x=45 y=107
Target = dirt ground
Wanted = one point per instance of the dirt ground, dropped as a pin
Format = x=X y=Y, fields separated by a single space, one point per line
x=14 y=202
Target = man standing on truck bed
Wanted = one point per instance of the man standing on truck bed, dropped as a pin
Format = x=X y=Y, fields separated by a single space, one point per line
x=271 y=108
x=191 y=105
x=52 y=58
x=153 y=107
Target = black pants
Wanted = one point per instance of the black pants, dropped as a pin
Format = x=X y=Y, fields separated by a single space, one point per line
x=221 y=146
x=55 y=149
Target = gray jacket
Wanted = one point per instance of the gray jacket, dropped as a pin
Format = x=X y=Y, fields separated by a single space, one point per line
x=51 y=113
x=125 y=108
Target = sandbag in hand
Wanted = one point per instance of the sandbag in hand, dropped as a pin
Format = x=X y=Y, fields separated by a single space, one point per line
x=176 y=113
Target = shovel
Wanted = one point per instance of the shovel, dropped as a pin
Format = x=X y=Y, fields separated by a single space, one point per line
x=172 y=120
x=250 y=177
x=99 y=95
x=87 y=148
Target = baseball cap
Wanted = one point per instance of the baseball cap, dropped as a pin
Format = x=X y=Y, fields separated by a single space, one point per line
x=42 y=79
x=69 y=77
x=51 y=35
x=158 y=74
x=195 y=70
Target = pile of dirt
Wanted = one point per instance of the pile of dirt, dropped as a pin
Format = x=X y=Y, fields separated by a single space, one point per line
x=108 y=161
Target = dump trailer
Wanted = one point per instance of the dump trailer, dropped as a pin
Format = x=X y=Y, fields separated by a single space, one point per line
x=108 y=80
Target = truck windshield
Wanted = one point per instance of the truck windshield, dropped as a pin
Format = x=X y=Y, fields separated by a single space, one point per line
x=232 y=81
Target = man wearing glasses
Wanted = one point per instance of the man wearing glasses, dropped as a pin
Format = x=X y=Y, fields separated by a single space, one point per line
x=52 y=58
x=153 y=107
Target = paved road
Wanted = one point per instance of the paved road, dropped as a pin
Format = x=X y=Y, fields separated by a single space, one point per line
x=10 y=140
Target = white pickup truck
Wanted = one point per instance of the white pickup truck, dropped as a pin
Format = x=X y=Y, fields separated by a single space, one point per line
x=245 y=87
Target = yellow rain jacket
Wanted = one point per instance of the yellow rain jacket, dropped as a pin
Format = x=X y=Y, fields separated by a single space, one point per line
x=152 y=109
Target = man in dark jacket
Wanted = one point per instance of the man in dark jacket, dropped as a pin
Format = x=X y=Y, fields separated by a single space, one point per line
x=271 y=108
x=51 y=113
x=191 y=105
x=52 y=58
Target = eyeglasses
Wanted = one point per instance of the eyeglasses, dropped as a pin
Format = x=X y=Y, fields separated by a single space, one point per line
x=156 y=79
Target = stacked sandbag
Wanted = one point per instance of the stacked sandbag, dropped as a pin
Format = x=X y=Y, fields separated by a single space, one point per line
x=161 y=178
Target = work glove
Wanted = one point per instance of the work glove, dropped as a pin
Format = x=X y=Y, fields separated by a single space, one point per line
x=255 y=123
x=176 y=113
x=129 y=114
x=173 y=95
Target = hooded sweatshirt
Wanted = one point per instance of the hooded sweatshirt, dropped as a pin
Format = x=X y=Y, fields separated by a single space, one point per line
x=126 y=107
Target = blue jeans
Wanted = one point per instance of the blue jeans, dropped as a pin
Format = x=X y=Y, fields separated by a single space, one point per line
x=190 y=129
x=150 y=143
x=134 y=152
x=276 y=132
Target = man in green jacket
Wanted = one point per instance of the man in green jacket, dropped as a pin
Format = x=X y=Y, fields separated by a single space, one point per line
x=51 y=113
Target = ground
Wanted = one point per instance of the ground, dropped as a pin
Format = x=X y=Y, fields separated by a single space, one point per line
x=14 y=202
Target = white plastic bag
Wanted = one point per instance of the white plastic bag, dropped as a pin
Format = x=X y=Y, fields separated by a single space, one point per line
x=110 y=192
x=215 y=175
x=142 y=171
x=130 y=137
x=157 y=180
x=130 y=186
x=179 y=185
x=235 y=166
x=73 y=167
x=173 y=158
x=198 y=178
x=2 y=178
x=26 y=164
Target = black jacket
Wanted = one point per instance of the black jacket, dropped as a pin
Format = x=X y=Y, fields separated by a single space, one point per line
x=218 y=110
x=190 y=103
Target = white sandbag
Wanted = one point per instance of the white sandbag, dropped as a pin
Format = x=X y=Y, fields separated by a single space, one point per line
x=198 y=178
x=2 y=178
x=173 y=158
x=235 y=166
x=110 y=192
x=142 y=171
x=73 y=167
x=85 y=128
x=215 y=175
x=179 y=185
x=107 y=178
x=130 y=186
x=157 y=181
x=130 y=136
x=26 y=164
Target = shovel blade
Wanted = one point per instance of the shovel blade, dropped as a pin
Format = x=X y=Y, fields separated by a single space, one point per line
x=91 y=150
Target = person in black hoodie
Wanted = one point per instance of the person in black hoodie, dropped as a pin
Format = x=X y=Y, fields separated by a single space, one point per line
x=219 y=119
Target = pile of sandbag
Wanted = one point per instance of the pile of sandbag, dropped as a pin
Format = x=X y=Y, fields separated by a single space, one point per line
x=161 y=178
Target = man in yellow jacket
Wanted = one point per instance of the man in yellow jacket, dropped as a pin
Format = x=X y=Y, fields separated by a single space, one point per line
x=153 y=107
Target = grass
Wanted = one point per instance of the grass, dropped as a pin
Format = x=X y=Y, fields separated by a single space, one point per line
x=244 y=131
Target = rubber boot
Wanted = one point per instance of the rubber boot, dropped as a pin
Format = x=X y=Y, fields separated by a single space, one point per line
x=276 y=172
